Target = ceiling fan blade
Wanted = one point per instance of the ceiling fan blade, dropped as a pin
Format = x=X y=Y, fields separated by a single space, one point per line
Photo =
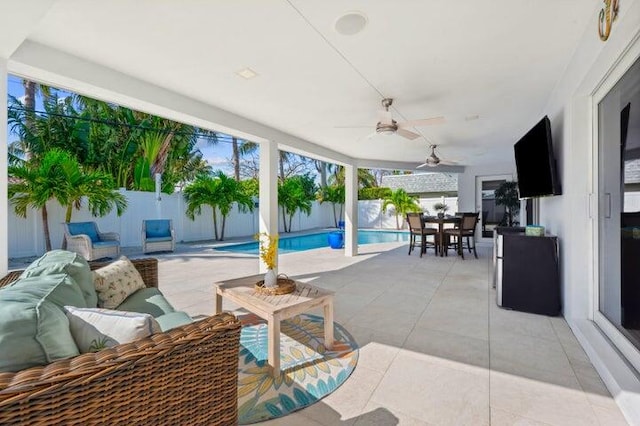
x=422 y=165
x=423 y=122
x=449 y=163
x=407 y=134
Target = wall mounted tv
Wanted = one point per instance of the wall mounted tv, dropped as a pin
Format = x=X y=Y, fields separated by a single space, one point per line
x=535 y=163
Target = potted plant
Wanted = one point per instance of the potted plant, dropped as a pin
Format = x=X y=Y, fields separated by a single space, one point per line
x=440 y=208
x=507 y=195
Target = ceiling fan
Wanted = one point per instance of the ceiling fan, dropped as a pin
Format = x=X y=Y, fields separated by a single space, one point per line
x=433 y=160
x=388 y=126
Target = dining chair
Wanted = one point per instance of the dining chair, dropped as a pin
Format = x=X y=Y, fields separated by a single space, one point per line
x=417 y=229
x=466 y=230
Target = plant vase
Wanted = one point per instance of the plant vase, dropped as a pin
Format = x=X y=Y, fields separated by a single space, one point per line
x=441 y=215
x=271 y=278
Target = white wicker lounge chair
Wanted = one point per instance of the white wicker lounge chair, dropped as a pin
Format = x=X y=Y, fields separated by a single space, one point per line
x=85 y=239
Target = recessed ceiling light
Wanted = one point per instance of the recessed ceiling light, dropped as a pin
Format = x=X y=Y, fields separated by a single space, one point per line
x=247 y=73
x=471 y=117
x=351 y=23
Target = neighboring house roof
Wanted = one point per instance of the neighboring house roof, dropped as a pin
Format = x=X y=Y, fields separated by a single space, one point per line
x=631 y=171
x=422 y=183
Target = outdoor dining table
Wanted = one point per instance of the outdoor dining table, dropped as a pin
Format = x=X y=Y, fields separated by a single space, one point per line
x=441 y=221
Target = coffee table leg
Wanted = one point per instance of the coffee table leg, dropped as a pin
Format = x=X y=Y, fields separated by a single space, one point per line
x=218 y=303
x=273 y=352
x=328 y=325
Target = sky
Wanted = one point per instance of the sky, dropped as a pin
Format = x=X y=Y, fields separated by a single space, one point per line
x=218 y=156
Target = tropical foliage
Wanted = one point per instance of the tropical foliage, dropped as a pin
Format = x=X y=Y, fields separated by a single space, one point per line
x=295 y=193
x=374 y=193
x=220 y=192
x=402 y=203
x=128 y=145
x=333 y=194
x=59 y=176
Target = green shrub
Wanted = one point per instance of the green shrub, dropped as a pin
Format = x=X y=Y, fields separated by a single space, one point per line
x=374 y=193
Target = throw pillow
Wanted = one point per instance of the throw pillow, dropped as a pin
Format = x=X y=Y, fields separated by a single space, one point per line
x=34 y=329
x=66 y=262
x=115 y=282
x=94 y=329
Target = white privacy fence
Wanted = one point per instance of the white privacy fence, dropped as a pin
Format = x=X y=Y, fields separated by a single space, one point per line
x=370 y=211
x=26 y=236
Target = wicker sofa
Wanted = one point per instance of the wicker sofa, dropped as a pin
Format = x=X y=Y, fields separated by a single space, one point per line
x=187 y=375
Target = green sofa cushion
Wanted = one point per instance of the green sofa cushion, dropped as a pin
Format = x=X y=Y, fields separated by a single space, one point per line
x=66 y=262
x=34 y=329
x=173 y=320
x=147 y=300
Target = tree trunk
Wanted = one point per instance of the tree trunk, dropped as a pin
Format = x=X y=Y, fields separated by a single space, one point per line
x=281 y=161
x=30 y=106
x=335 y=215
x=224 y=220
x=321 y=167
x=290 y=221
x=235 y=159
x=397 y=221
x=67 y=219
x=215 y=224
x=45 y=227
x=161 y=159
x=284 y=220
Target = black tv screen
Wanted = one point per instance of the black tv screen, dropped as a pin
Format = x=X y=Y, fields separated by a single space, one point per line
x=536 y=164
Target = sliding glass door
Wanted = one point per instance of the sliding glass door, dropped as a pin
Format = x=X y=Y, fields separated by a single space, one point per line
x=618 y=174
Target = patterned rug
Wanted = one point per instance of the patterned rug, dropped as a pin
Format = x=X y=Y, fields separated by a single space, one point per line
x=309 y=371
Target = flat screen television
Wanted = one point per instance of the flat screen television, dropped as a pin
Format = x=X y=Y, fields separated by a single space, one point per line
x=536 y=164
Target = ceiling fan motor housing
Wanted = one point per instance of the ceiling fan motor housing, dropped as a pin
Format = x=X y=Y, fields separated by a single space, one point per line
x=387 y=128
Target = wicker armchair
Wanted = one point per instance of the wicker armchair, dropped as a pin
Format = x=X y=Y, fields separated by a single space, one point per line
x=185 y=376
x=158 y=235
x=85 y=239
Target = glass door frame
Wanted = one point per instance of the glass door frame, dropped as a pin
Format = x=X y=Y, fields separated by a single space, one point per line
x=479 y=181
x=596 y=199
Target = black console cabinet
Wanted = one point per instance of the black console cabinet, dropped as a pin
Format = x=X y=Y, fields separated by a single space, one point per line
x=526 y=273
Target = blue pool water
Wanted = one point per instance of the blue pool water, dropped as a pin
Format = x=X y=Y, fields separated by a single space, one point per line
x=313 y=241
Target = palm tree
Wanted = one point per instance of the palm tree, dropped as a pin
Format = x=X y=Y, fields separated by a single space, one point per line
x=333 y=194
x=402 y=202
x=59 y=176
x=220 y=193
x=295 y=193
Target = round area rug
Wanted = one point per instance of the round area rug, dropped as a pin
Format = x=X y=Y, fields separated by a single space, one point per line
x=309 y=370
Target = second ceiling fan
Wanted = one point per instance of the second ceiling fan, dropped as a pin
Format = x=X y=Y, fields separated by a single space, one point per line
x=433 y=160
x=387 y=125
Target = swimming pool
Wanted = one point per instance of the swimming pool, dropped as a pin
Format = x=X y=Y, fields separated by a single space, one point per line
x=313 y=241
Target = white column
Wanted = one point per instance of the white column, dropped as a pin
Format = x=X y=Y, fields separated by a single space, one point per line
x=268 y=190
x=4 y=210
x=351 y=211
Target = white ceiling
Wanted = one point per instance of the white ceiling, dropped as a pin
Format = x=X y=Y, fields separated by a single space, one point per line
x=499 y=60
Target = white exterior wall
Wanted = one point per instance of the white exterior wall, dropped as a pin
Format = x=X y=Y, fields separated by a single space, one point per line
x=568 y=216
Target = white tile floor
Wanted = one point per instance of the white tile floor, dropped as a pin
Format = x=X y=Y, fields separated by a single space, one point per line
x=435 y=348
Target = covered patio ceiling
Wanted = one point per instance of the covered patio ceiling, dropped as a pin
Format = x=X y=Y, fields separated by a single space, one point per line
x=498 y=62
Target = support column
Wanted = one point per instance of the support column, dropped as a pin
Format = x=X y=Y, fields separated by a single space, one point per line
x=351 y=211
x=268 y=191
x=4 y=204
